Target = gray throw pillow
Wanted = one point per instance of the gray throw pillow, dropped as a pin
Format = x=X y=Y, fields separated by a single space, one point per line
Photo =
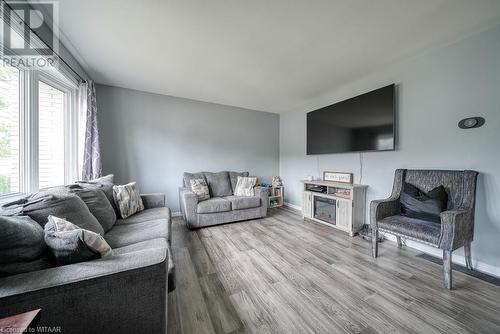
x=22 y=246
x=219 y=184
x=71 y=244
x=128 y=199
x=233 y=176
x=69 y=207
x=104 y=183
x=200 y=188
x=192 y=176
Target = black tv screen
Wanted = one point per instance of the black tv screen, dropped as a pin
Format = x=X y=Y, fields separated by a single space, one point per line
x=362 y=123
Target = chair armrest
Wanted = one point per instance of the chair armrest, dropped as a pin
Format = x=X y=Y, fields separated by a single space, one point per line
x=457 y=228
x=264 y=199
x=380 y=209
x=188 y=202
x=155 y=200
x=74 y=297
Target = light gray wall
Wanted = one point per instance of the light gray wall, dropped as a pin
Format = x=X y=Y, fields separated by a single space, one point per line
x=153 y=139
x=435 y=91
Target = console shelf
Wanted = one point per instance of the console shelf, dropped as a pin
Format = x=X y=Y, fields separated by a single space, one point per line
x=339 y=205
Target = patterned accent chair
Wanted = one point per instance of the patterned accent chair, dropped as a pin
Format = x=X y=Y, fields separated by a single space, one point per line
x=457 y=223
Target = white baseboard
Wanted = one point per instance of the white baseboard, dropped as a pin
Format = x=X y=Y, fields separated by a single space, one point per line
x=293 y=206
x=456 y=258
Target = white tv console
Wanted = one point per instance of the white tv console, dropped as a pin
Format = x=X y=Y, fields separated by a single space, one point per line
x=340 y=205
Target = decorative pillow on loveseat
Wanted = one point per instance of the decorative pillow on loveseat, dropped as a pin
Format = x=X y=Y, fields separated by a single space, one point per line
x=245 y=186
x=219 y=184
x=71 y=244
x=200 y=188
x=128 y=199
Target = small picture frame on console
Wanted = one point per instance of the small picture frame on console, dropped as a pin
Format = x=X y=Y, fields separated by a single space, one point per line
x=341 y=177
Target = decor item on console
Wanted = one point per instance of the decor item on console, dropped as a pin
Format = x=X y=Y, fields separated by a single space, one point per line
x=455 y=226
x=338 y=177
x=277 y=181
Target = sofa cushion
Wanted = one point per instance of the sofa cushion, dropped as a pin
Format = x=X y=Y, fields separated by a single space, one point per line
x=70 y=244
x=192 y=176
x=212 y=205
x=72 y=208
x=219 y=184
x=127 y=234
x=233 y=176
x=424 y=230
x=104 y=183
x=243 y=202
x=21 y=239
x=146 y=215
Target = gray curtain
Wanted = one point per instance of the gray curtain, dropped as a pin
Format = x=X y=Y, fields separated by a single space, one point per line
x=92 y=167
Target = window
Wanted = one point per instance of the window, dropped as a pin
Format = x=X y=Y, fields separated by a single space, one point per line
x=9 y=131
x=51 y=108
x=38 y=131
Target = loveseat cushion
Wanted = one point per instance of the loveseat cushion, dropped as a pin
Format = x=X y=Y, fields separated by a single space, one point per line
x=214 y=205
x=127 y=234
x=233 y=176
x=419 y=229
x=219 y=184
x=243 y=202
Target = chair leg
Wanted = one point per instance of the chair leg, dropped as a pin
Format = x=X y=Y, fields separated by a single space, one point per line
x=374 y=243
x=447 y=269
x=400 y=242
x=468 y=257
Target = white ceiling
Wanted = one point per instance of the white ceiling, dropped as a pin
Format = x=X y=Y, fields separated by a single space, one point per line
x=272 y=56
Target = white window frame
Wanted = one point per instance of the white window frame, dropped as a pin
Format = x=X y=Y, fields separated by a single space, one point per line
x=28 y=122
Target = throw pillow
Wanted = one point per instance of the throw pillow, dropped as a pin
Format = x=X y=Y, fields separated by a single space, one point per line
x=192 y=176
x=128 y=199
x=245 y=186
x=21 y=240
x=200 y=188
x=219 y=184
x=70 y=207
x=71 y=244
x=233 y=176
x=416 y=203
x=104 y=183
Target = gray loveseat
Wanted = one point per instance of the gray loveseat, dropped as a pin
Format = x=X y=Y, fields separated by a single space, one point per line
x=123 y=293
x=222 y=206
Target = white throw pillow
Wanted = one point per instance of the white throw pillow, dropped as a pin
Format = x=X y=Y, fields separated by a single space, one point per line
x=200 y=188
x=128 y=199
x=245 y=186
x=71 y=244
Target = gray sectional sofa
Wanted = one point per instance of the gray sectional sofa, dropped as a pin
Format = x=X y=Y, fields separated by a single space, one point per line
x=122 y=293
x=222 y=206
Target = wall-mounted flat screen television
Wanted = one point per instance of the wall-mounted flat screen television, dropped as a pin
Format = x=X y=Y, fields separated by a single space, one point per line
x=359 y=124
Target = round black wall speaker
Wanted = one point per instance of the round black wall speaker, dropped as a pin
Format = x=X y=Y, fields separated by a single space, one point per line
x=471 y=123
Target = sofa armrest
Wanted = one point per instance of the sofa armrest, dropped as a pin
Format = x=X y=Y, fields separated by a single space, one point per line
x=264 y=199
x=77 y=298
x=188 y=202
x=155 y=200
x=380 y=209
x=457 y=228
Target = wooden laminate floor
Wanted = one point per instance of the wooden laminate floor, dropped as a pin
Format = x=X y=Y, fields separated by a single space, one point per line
x=283 y=275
